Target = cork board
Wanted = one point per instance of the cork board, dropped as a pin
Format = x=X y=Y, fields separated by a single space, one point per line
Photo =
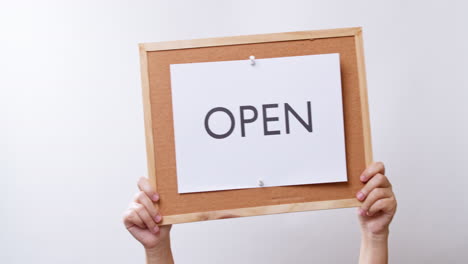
x=180 y=208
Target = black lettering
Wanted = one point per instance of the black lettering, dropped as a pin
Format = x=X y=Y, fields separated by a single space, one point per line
x=244 y=121
x=269 y=119
x=207 y=127
x=288 y=109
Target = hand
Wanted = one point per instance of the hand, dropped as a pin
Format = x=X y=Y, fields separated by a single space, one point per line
x=378 y=201
x=142 y=216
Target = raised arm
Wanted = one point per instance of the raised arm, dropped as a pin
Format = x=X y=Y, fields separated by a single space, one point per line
x=141 y=220
x=375 y=214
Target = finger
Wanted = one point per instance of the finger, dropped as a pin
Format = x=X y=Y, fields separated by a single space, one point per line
x=387 y=205
x=158 y=216
x=145 y=186
x=143 y=199
x=374 y=196
x=373 y=169
x=378 y=181
x=147 y=219
x=131 y=218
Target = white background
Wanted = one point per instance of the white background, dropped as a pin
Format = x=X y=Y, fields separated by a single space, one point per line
x=236 y=162
x=72 y=137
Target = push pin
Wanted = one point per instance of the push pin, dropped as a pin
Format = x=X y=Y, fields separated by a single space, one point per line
x=252 y=60
x=260 y=183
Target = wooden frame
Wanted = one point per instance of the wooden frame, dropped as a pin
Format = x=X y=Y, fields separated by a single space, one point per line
x=146 y=48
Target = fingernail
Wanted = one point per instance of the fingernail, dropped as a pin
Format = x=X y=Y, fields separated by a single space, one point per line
x=155 y=197
x=156 y=229
x=360 y=196
x=363 y=178
x=157 y=218
x=361 y=212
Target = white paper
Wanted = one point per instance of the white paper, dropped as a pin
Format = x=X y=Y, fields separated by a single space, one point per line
x=205 y=163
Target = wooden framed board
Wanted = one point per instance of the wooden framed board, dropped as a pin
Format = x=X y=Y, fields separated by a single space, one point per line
x=156 y=59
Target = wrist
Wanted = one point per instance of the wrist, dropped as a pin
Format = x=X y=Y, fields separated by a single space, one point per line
x=374 y=247
x=375 y=238
x=161 y=250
